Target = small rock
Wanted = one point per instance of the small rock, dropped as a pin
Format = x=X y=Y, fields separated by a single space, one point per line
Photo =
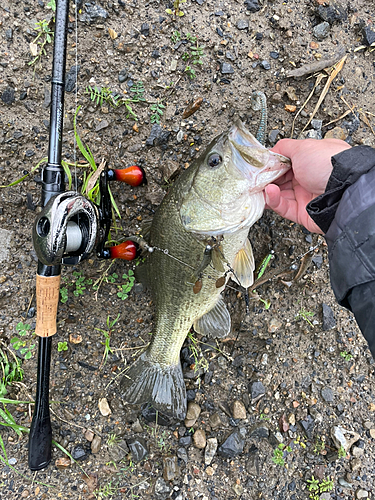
x=123 y=75
x=321 y=31
x=137 y=427
x=96 y=444
x=93 y=13
x=336 y=133
x=274 y=55
x=276 y=98
x=226 y=69
x=238 y=410
x=210 y=451
x=344 y=483
x=155 y=54
x=118 y=451
x=182 y=453
x=101 y=125
x=252 y=5
x=89 y=435
x=274 y=325
x=325 y=496
x=329 y=321
x=317 y=124
x=327 y=394
x=242 y=24
x=192 y=414
x=308 y=426
x=209 y=471
x=78 y=452
x=252 y=465
x=343 y=437
x=291 y=108
x=12 y=461
x=215 y=421
x=256 y=390
x=8 y=96
x=162 y=490
x=157 y=136
x=179 y=136
x=138 y=448
x=273 y=136
x=25 y=493
x=9 y=34
x=5 y=243
x=71 y=78
x=372 y=433
x=356 y=464
x=104 y=408
x=170 y=468
x=63 y=462
x=368 y=35
x=145 y=29
x=234 y=444
x=331 y=11
x=199 y=439
x=259 y=431
x=357 y=452
x=361 y=494
x=265 y=65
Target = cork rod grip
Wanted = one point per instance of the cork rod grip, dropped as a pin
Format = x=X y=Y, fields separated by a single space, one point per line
x=47 y=299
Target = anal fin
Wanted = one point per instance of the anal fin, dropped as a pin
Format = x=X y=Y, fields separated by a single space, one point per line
x=216 y=322
x=244 y=265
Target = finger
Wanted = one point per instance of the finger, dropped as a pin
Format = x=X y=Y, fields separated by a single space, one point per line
x=286 y=207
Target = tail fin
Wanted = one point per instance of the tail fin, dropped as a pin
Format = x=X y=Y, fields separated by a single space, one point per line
x=161 y=386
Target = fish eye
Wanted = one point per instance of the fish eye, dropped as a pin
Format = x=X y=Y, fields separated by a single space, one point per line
x=214 y=160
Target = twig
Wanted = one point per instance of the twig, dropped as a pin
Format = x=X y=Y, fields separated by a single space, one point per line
x=318 y=65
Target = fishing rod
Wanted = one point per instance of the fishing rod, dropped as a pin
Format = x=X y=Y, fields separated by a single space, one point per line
x=66 y=231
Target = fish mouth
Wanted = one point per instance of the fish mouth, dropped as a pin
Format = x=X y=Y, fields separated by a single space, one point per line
x=254 y=159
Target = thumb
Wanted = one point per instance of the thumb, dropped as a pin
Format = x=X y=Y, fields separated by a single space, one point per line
x=272 y=196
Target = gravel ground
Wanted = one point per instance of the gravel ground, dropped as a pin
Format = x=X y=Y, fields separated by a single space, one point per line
x=286 y=400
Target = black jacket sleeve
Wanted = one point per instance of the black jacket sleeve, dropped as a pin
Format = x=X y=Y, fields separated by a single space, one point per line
x=346 y=213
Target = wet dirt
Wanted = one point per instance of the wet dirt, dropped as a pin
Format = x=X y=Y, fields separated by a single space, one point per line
x=298 y=368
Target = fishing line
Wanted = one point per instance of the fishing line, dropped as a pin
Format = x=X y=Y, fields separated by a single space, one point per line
x=76 y=97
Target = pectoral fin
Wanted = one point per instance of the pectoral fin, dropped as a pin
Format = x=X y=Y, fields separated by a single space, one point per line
x=244 y=265
x=216 y=322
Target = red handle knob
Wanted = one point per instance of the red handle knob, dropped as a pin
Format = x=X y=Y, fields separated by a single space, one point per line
x=125 y=251
x=134 y=175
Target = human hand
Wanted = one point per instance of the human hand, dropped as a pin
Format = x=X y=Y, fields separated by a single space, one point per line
x=307 y=179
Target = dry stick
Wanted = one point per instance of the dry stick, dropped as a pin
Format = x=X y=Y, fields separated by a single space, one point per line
x=317 y=66
x=339 y=118
x=332 y=76
x=318 y=80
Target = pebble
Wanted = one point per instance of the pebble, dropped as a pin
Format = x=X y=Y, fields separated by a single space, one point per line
x=192 y=414
x=123 y=75
x=157 y=136
x=308 y=426
x=185 y=440
x=274 y=325
x=89 y=435
x=336 y=133
x=252 y=465
x=252 y=5
x=12 y=461
x=145 y=29
x=276 y=98
x=256 y=390
x=96 y=444
x=357 y=452
x=368 y=35
x=327 y=394
x=233 y=445
x=344 y=483
x=226 y=68
x=238 y=410
x=274 y=55
x=162 y=490
x=9 y=34
x=8 y=96
x=62 y=463
x=343 y=437
x=331 y=11
x=329 y=321
x=101 y=125
x=170 y=468
x=182 y=453
x=5 y=244
x=273 y=136
x=372 y=433
x=104 y=408
x=355 y=464
x=210 y=451
x=93 y=13
x=137 y=427
x=71 y=78
x=259 y=431
x=361 y=494
x=215 y=421
x=265 y=65
x=119 y=451
x=78 y=452
x=321 y=31
x=242 y=24
x=138 y=448
x=199 y=439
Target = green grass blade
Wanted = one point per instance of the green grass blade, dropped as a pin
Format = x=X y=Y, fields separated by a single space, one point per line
x=14 y=183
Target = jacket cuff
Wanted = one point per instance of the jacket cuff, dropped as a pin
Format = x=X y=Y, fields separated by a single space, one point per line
x=348 y=166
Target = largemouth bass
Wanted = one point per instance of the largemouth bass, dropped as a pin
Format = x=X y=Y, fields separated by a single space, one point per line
x=198 y=239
